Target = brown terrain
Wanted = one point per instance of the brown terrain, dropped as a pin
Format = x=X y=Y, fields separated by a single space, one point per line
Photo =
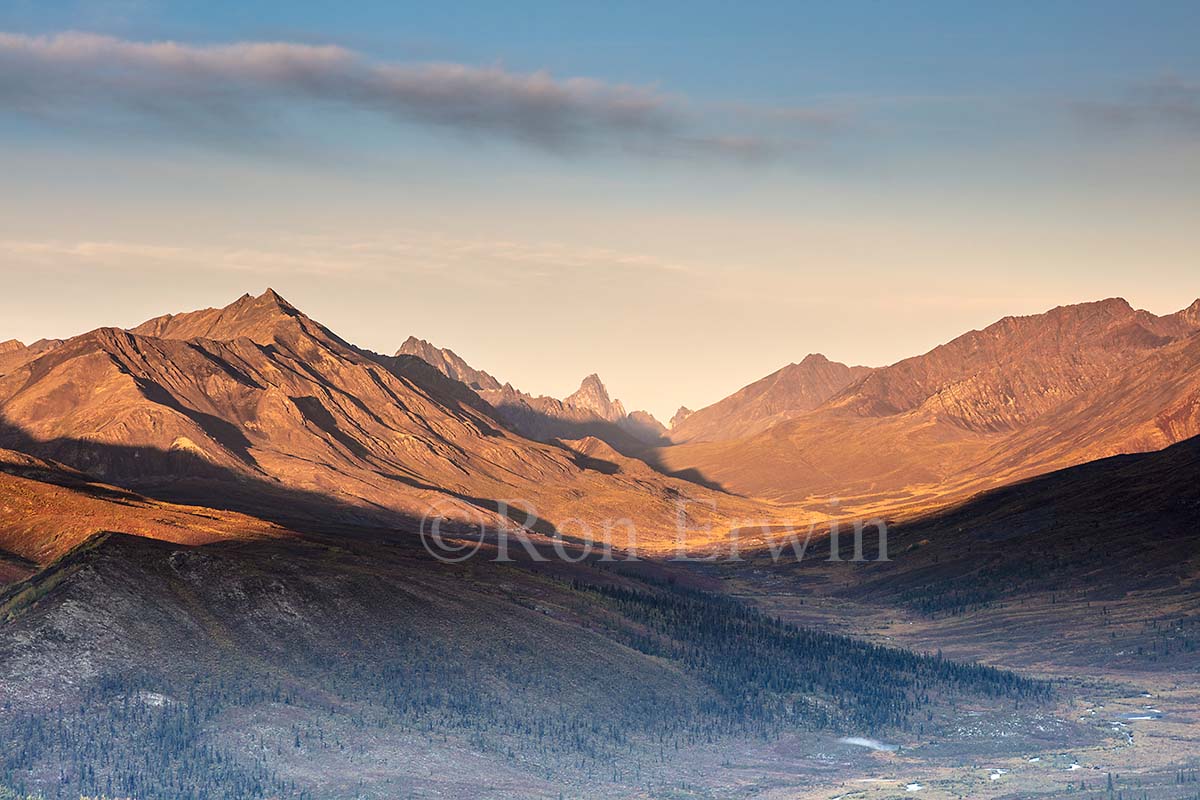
x=1023 y=396
x=257 y=408
x=212 y=578
x=782 y=395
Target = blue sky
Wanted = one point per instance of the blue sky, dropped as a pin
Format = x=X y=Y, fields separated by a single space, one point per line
x=682 y=197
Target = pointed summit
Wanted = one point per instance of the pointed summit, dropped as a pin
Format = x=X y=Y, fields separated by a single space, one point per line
x=449 y=364
x=593 y=396
x=258 y=318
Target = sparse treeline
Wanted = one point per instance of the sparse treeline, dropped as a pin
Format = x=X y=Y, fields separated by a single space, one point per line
x=156 y=738
x=770 y=675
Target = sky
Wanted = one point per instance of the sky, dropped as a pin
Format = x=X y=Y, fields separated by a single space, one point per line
x=681 y=197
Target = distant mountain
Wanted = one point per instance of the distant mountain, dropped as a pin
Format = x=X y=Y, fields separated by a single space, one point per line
x=789 y=392
x=13 y=353
x=449 y=363
x=677 y=419
x=592 y=396
x=589 y=411
x=257 y=408
x=1025 y=395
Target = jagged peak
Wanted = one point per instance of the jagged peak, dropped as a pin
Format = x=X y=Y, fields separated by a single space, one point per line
x=593 y=396
x=593 y=381
x=679 y=416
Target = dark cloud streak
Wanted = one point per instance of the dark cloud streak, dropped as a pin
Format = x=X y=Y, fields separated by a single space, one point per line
x=77 y=77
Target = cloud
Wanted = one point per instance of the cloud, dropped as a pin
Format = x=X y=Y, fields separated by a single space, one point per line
x=81 y=78
x=416 y=251
x=1169 y=102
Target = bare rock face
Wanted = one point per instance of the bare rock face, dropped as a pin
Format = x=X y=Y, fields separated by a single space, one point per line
x=11 y=346
x=1022 y=396
x=593 y=396
x=449 y=363
x=677 y=419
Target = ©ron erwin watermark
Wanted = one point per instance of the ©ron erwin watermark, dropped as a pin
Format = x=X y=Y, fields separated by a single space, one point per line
x=514 y=531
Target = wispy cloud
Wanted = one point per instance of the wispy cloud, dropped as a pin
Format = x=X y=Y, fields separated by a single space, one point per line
x=1169 y=101
x=401 y=252
x=78 y=78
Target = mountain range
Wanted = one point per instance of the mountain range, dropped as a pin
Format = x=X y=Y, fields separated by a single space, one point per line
x=1024 y=395
x=255 y=407
x=589 y=411
x=213 y=579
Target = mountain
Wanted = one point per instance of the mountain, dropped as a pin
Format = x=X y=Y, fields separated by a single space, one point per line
x=679 y=416
x=1025 y=395
x=591 y=396
x=784 y=394
x=13 y=353
x=589 y=411
x=449 y=363
x=256 y=408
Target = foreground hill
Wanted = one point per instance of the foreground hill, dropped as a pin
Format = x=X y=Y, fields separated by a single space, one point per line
x=330 y=667
x=47 y=509
x=1094 y=567
x=1023 y=396
x=257 y=408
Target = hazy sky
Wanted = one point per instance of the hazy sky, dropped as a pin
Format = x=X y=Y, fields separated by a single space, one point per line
x=682 y=197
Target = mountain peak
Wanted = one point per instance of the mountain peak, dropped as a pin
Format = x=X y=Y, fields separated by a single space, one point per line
x=411 y=343
x=593 y=396
x=258 y=318
x=11 y=346
x=449 y=364
x=683 y=413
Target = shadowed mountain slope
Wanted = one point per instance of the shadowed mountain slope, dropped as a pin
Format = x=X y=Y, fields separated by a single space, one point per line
x=280 y=669
x=589 y=411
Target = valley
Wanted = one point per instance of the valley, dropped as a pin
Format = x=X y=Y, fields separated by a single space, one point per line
x=220 y=582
